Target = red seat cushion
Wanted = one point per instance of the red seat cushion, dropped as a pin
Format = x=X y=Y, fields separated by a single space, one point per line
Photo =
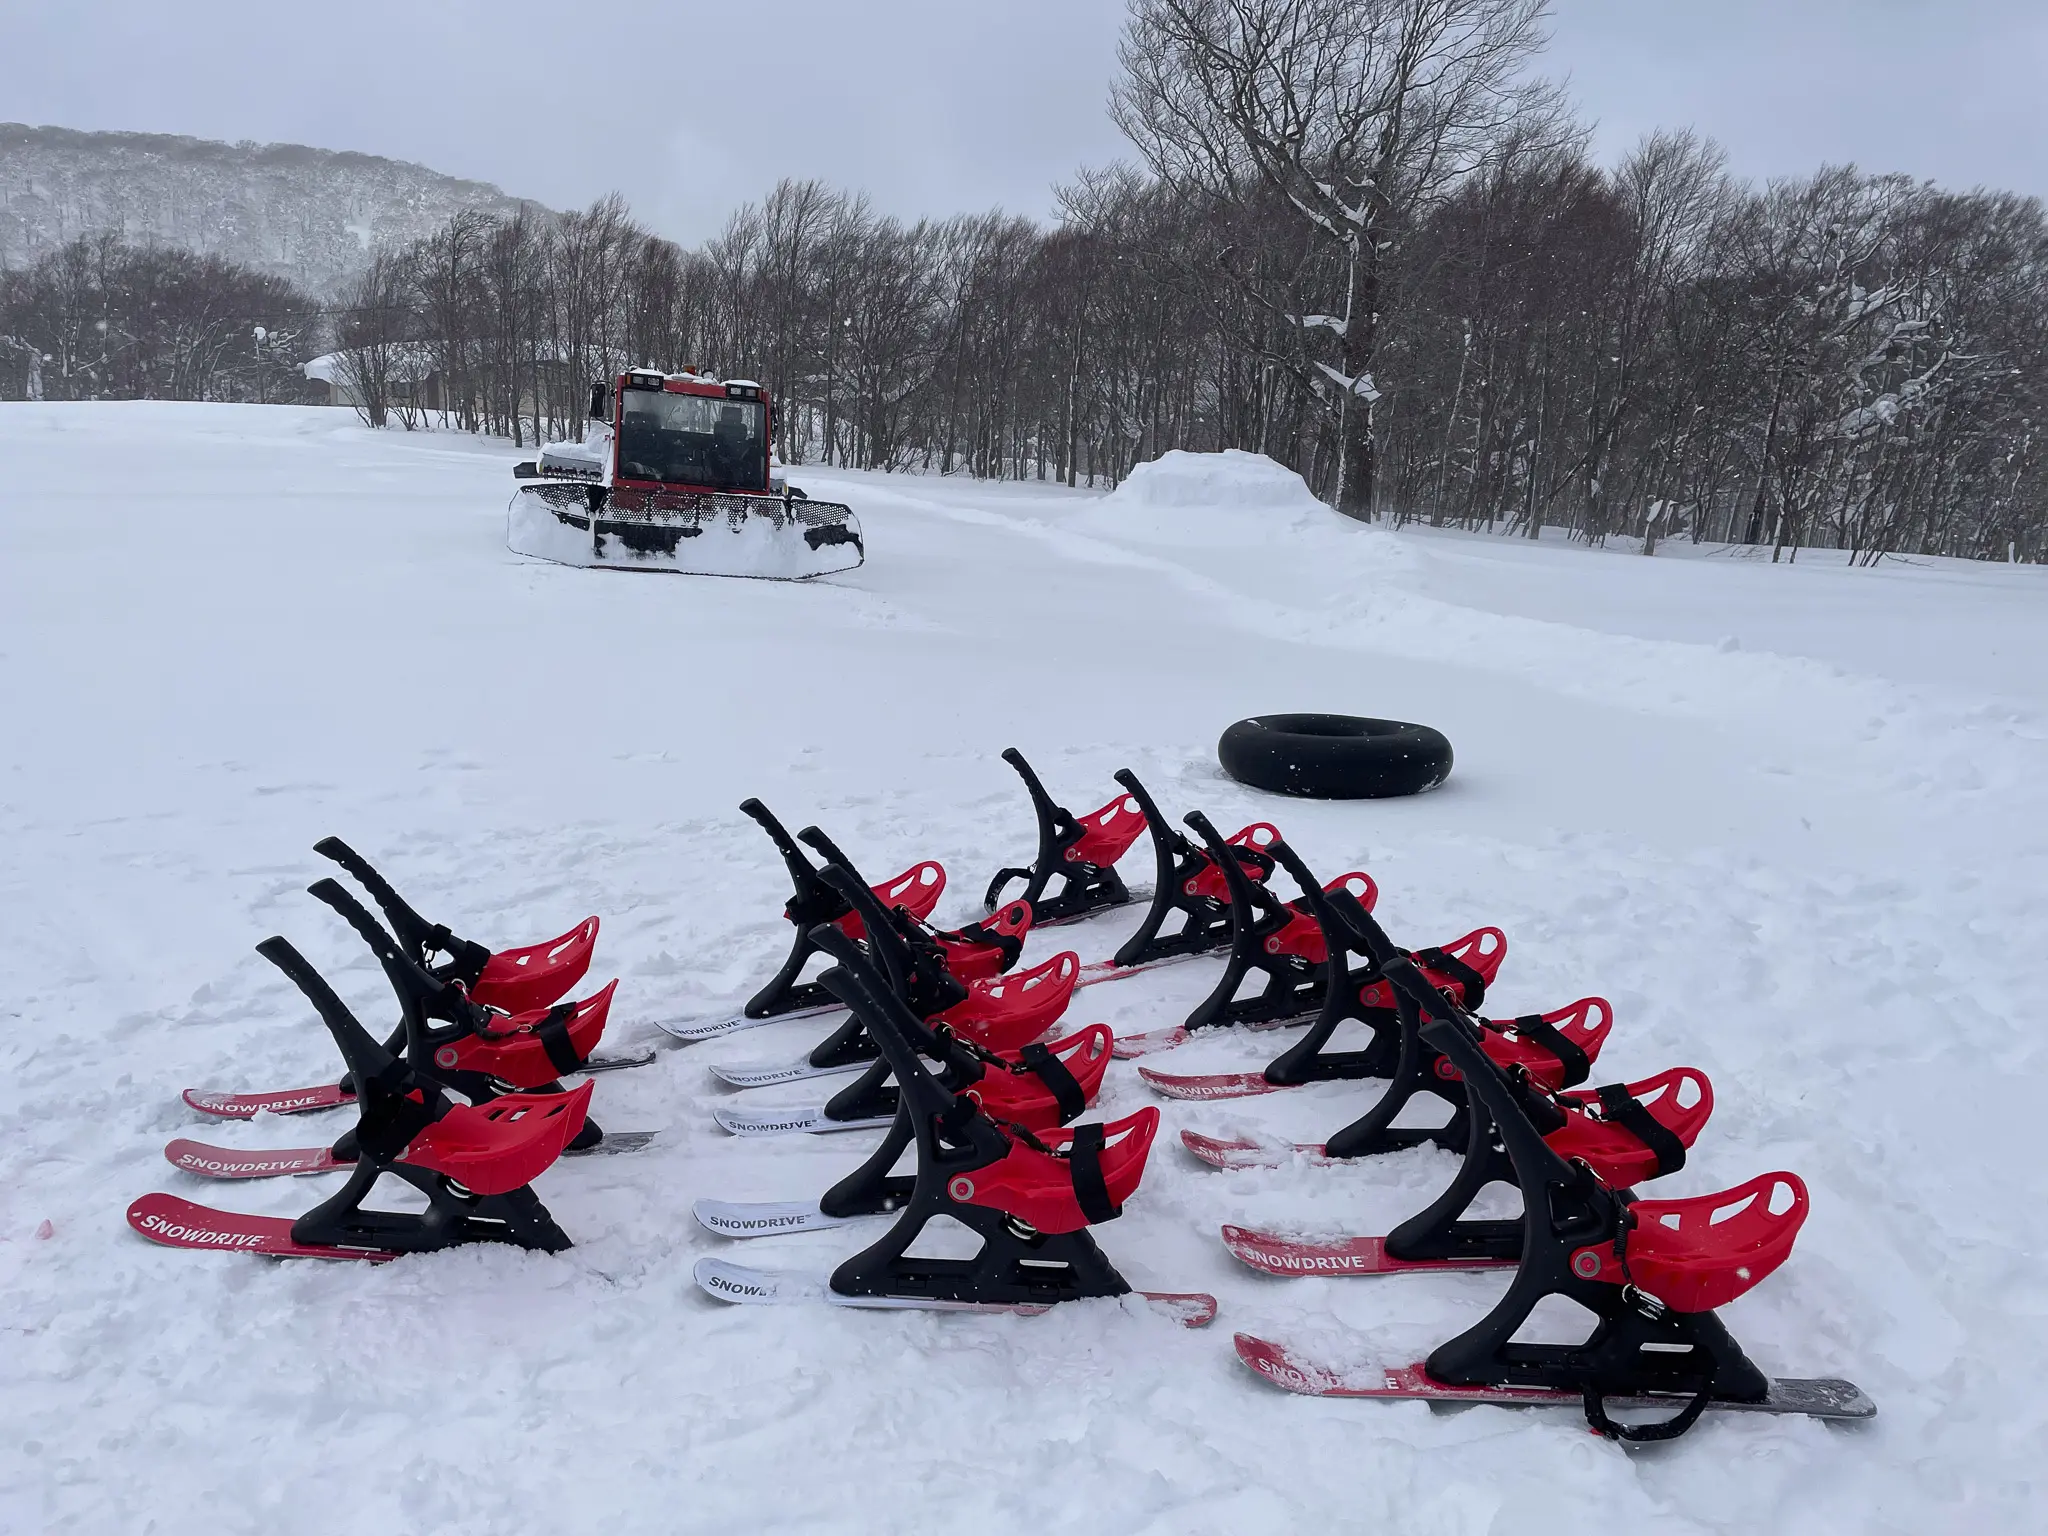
x=1701 y=1253
x=916 y=891
x=1209 y=881
x=1612 y=1151
x=1039 y=1188
x=496 y=1147
x=1107 y=834
x=1022 y=1098
x=1007 y=1013
x=1303 y=935
x=515 y=1054
x=970 y=961
x=1483 y=949
x=518 y=979
x=1585 y=1023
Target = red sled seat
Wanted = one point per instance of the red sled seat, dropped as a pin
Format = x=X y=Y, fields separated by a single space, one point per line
x=968 y=960
x=1481 y=951
x=493 y=1149
x=1037 y=1186
x=1701 y=1253
x=518 y=980
x=1107 y=834
x=1209 y=880
x=916 y=891
x=1617 y=1156
x=1513 y=1043
x=1007 y=1013
x=1303 y=936
x=530 y=1049
x=1023 y=1098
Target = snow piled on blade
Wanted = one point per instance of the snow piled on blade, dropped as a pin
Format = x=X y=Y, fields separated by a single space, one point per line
x=1815 y=867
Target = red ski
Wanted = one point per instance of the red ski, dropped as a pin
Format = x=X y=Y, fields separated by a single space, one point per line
x=1273 y=1254
x=1242 y=1152
x=180 y=1223
x=229 y=1163
x=288 y=1101
x=1823 y=1397
x=1209 y=1085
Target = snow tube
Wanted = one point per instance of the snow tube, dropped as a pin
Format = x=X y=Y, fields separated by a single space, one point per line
x=1334 y=757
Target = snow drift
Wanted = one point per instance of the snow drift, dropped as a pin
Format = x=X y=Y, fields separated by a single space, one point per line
x=1232 y=497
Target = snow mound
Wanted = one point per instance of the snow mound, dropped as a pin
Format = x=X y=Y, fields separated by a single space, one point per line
x=1232 y=497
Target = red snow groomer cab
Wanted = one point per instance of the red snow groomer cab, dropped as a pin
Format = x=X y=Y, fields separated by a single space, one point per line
x=673 y=475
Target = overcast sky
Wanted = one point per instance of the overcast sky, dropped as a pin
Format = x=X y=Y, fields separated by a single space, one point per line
x=690 y=107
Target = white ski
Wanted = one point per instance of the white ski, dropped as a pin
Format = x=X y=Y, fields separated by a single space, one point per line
x=791 y=1121
x=763 y=1218
x=691 y=1030
x=763 y=1074
x=766 y=1287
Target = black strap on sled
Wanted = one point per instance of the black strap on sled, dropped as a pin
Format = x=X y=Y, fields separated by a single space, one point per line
x=1620 y=1107
x=466 y=960
x=1471 y=985
x=1084 y=1157
x=1578 y=1066
x=1060 y=1083
x=553 y=1033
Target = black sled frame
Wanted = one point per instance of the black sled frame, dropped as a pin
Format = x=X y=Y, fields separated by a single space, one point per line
x=394 y=1104
x=1084 y=888
x=1017 y=1265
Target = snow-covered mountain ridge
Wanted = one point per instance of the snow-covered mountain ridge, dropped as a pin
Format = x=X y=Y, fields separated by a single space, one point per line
x=311 y=215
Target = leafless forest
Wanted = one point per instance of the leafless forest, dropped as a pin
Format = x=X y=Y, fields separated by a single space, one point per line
x=1359 y=235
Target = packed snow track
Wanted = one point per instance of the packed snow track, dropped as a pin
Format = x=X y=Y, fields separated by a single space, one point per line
x=1791 y=820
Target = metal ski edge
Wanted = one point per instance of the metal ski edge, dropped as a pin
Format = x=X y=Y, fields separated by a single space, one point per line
x=1816 y=1397
x=746 y=1286
x=598 y=1064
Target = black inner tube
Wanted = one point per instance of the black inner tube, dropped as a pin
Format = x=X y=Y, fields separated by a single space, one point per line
x=1334 y=757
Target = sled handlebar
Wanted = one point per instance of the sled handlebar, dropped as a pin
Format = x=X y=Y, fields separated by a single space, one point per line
x=365 y=1057
x=412 y=928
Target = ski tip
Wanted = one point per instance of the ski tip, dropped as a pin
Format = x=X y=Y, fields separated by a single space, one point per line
x=222 y=1106
x=1191 y=1309
x=227 y=1163
x=180 y=1223
x=747 y=1287
x=1206 y=1086
x=1272 y=1361
x=1130 y=1046
x=1237 y=1152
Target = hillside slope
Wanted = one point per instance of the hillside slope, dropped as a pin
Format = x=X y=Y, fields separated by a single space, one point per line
x=307 y=214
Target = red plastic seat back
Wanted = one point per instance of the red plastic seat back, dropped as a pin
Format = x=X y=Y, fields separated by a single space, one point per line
x=519 y=979
x=1701 y=1253
x=496 y=1147
x=1038 y=1188
x=1209 y=881
x=1303 y=935
x=1007 y=1013
x=969 y=961
x=516 y=1055
x=917 y=891
x=1585 y=1023
x=1022 y=1098
x=1680 y=1099
x=1483 y=949
x=1107 y=834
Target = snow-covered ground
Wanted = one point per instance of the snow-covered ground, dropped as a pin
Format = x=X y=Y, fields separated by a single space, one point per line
x=1793 y=821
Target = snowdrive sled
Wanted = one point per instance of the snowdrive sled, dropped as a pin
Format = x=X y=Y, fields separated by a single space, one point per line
x=673 y=475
